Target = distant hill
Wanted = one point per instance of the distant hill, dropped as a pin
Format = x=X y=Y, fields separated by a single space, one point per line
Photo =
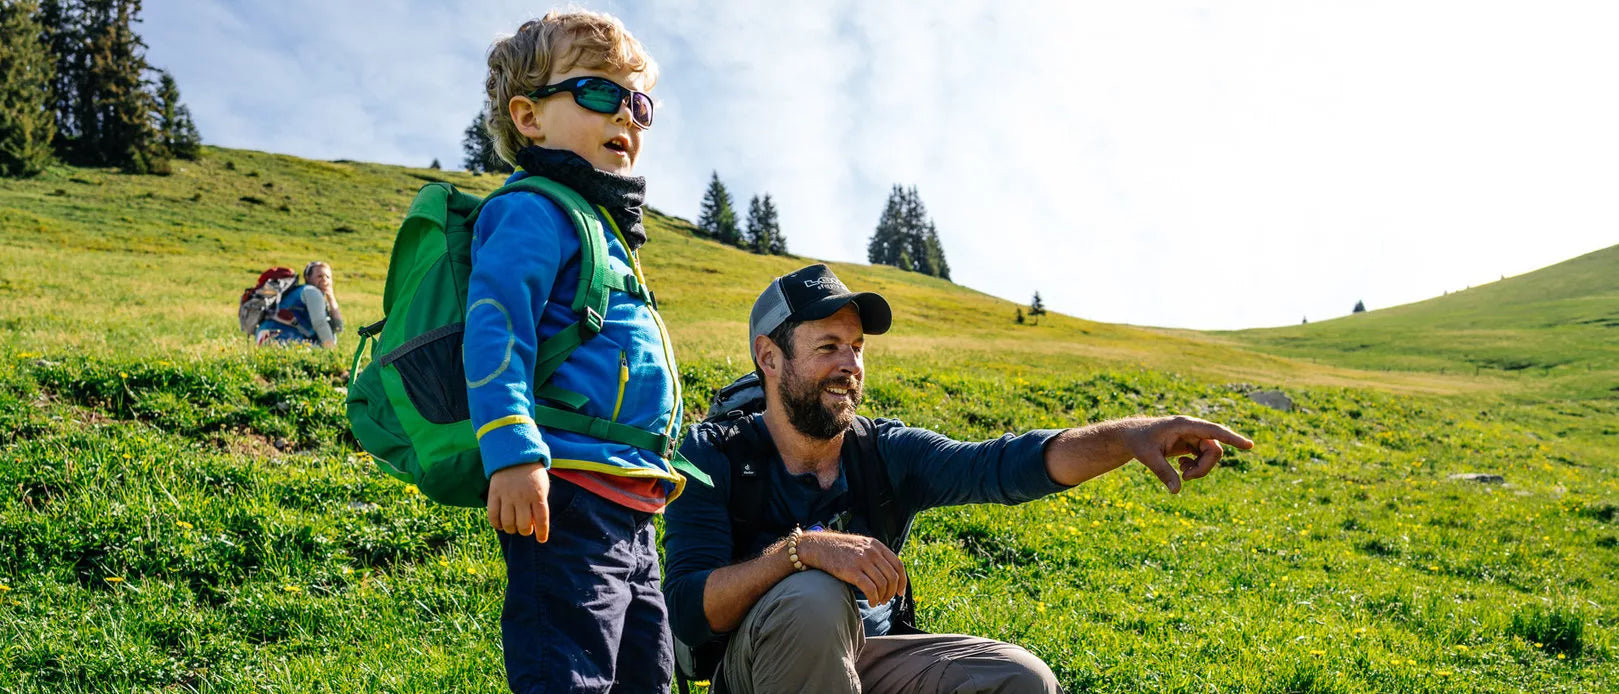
x=101 y=262
x=1560 y=321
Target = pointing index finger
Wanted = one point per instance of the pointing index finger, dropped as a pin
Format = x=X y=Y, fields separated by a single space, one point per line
x=1210 y=430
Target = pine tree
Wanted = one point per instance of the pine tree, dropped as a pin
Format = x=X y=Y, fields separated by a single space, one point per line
x=435 y=165
x=886 y=242
x=64 y=38
x=1360 y=307
x=478 y=149
x=27 y=116
x=718 y=219
x=1037 y=308
x=758 y=232
x=106 y=111
x=175 y=127
x=935 y=254
x=905 y=231
x=1019 y=317
x=778 y=242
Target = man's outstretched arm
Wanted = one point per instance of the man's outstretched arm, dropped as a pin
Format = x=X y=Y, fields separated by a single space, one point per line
x=1079 y=454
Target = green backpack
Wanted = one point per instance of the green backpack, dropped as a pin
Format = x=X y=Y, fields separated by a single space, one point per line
x=408 y=406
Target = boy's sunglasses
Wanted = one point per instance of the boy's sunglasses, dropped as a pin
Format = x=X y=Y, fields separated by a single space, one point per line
x=602 y=95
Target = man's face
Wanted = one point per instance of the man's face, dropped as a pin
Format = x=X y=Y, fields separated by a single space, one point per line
x=820 y=387
x=610 y=142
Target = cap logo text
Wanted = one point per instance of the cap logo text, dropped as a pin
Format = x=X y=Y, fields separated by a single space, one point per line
x=828 y=283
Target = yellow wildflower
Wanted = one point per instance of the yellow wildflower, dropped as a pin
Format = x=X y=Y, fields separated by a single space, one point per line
x=291 y=588
x=122 y=374
x=183 y=525
x=412 y=489
x=1443 y=673
x=1461 y=648
x=1318 y=653
x=114 y=579
x=4 y=588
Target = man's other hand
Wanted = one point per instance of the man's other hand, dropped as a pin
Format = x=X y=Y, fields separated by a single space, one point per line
x=517 y=500
x=860 y=561
x=1197 y=442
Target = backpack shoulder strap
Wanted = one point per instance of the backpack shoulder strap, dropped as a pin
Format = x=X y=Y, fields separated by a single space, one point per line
x=590 y=300
x=889 y=521
x=868 y=476
x=747 y=453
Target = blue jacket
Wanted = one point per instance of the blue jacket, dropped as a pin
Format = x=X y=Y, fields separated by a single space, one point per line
x=525 y=272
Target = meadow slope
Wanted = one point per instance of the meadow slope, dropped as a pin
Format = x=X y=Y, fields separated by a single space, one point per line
x=181 y=513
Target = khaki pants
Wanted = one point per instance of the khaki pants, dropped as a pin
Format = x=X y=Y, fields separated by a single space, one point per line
x=805 y=635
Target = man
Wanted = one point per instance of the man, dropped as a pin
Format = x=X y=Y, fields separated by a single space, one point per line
x=806 y=595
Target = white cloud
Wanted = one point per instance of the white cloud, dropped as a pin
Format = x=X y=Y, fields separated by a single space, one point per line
x=1189 y=164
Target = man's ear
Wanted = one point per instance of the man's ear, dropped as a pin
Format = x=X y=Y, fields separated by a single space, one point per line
x=769 y=355
x=526 y=117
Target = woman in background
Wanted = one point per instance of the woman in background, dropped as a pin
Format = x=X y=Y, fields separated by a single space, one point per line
x=307 y=313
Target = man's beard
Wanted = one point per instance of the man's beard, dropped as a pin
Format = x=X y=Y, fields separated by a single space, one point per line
x=801 y=398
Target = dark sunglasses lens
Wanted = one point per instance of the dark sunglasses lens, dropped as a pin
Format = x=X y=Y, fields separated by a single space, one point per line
x=641 y=109
x=597 y=95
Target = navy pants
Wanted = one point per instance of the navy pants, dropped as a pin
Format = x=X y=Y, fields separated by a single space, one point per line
x=583 y=611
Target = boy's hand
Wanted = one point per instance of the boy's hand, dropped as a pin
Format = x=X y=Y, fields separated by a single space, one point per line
x=517 y=500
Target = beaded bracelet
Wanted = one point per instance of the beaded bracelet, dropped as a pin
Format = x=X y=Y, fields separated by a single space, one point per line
x=792 y=548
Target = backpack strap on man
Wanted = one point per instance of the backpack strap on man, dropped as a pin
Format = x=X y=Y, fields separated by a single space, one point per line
x=746 y=451
x=885 y=516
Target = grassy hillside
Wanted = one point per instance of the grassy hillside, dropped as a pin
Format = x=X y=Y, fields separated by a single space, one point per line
x=1559 y=325
x=181 y=513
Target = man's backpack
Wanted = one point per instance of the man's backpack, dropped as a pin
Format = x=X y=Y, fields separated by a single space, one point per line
x=262 y=300
x=889 y=521
x=408 y=407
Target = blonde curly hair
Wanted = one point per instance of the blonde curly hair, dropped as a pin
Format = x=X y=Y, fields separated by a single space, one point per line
x=558 y=42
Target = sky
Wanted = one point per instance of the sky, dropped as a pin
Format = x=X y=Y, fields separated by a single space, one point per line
x=1184 y=164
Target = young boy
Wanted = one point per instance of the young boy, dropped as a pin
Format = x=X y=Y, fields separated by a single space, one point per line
x=583 y=608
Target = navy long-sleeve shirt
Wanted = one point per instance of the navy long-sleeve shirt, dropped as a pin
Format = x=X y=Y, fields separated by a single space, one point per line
x=927 y=470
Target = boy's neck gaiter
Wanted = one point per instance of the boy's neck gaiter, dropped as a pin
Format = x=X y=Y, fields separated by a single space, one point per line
x=621 y=195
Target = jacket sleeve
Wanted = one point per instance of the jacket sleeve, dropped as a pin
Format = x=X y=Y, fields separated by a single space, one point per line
x=934 y=470
x=696 y=539
x=515 y=251
x=315 y=304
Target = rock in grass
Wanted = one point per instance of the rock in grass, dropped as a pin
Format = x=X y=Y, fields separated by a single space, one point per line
x=1479 y=477
x=1273 y=399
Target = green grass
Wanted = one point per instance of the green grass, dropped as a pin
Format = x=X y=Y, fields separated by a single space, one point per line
x=182 y=513
x=1555 y=329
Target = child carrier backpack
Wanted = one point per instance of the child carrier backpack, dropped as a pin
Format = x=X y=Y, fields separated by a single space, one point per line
x=873 y=497
x=408 y=406
x=263 y=299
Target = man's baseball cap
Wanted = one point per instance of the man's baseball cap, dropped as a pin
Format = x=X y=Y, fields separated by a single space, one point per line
x=810 y=294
